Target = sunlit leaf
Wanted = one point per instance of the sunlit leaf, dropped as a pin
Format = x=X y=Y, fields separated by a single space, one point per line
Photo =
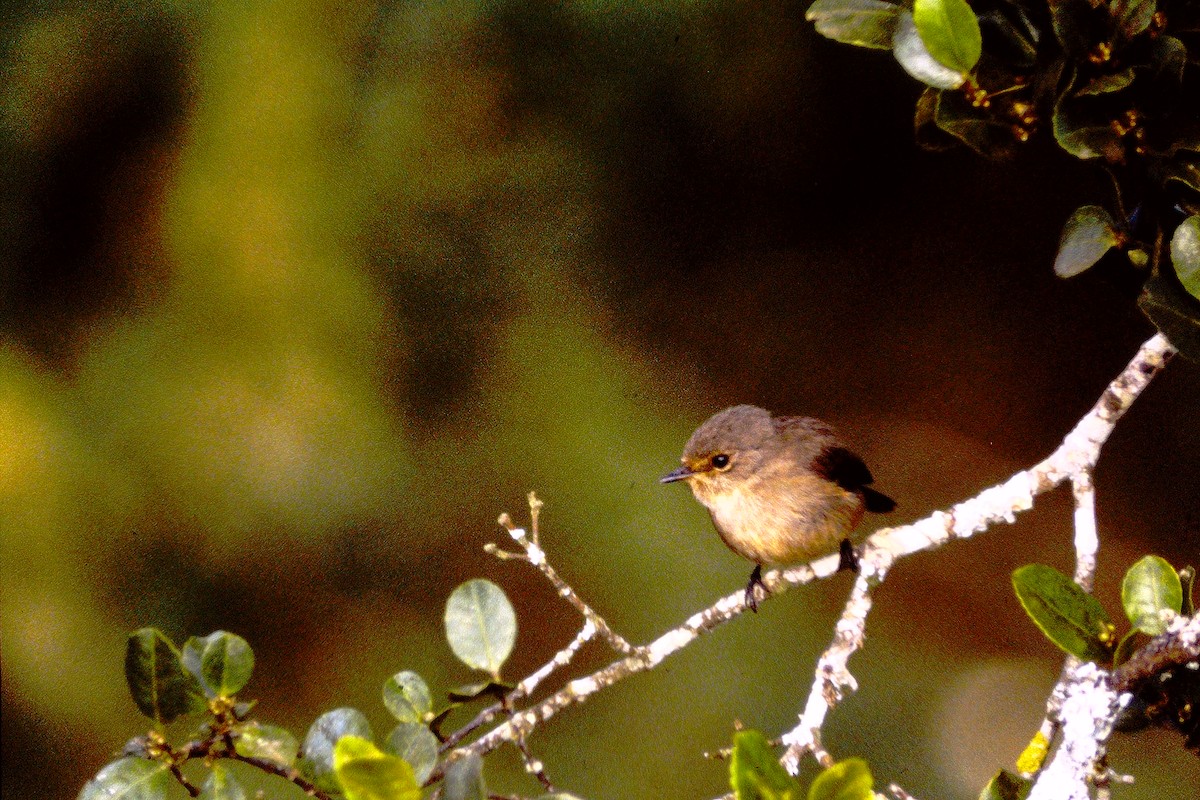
x=221 y=661
x=1070 y=617
x=755 y=772
x=323 y=735
x=162 y=689
x=1151 y=593
x=846 y=780
x=255 y=739
x=464 y=779
x=129 y=779
x=1090 y=232
x=417 y=745
x=1185 y=254
x=481 y=625
x=407 y=696
x=865 y=23
x=220 y=785
x=912 y=54
x=1006 y=786
x=950 y=32
x=365 y=772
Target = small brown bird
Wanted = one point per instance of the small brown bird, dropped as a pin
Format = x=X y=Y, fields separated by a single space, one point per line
x=779 y=489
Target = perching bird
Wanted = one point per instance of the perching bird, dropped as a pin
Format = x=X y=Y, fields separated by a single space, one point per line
x=779 y=489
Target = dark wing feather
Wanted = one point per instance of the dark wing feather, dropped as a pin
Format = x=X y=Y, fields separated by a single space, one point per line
x=849 y=472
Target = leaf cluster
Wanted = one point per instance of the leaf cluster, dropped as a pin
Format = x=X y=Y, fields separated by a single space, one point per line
x=1114 y=82
x=755 y=774
x=339 y=757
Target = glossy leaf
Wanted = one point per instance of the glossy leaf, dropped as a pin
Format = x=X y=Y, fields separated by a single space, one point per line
x=317 y=753
x=916 y=59
x=365 y=772
x=864 y=23
x=950 y=32
x=846 y=780
x=1090 y=232
x=1185 y=254
x=407 y=697
x=162 y=689
x=481 y=625
x=221 y=661
x=1151 y=593
x=464 y=779
x=1006 y=786
x=1070 y=617
x=129 y=779
x=1174 y=312
x=755 y=771
x=270 y=742
x=220 y=785
x=417 y=745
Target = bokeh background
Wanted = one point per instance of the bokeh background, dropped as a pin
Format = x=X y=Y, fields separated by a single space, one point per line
x=297 y=297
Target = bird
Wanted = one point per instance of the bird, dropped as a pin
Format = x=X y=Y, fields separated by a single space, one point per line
x=779 y=489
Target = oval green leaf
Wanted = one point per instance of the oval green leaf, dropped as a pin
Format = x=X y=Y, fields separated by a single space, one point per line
x=220 y=785
x=129 y=779
x=317 y=754
x=863 y=23
x=221 y=661
x=1151 y=593
x=481 y=625
x=917 y=61
x=417 y=745
x=367 y=773
x=755 y=771
x=1185 y=254
x=464 y=779
x=1088 y=235
x=407 y=696
x=1070 y=617
x=255 y=739
x=1006 y=786
x=162 y=689
x=846 y=780
x=950 y=32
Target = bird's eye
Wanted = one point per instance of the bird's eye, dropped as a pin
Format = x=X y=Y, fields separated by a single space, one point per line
x=720 y=461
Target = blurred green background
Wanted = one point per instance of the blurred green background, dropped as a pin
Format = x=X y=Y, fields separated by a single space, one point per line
x=296 y=297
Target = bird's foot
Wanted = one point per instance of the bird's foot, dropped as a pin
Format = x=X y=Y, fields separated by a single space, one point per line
x=753 y=587
x=847 y=557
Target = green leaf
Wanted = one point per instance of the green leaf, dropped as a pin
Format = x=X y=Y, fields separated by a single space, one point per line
x=955 y=115
x=255 y=739
x=1083 y=127
x=129 y=779
x=755 y=772
x=1185 y=254
x=481 y=625
x=221 y=661
x=864 y=23
x=317 y=753
x=1006 y=786
x=417 y=745
x=846 y=780
x=1132 y=16
x=1105 y=84
x=950 y=32
x=1088 y=235
x=367 y=773
x=407 y=697
x=1070 y=617
x=1151 y=588
x=911 y=52
x=1130 y=643
x=220 y=785
x=464 y=779
x=162 y=689
x=1174 y=312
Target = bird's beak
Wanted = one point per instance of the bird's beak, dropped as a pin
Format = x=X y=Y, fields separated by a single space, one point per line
x=681 y=474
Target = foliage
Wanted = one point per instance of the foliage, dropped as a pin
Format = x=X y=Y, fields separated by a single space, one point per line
x=755 y=774
x=339 y=755
x=1114 y=82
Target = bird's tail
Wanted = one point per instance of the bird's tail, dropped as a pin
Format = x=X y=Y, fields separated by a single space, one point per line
x=878 y=502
